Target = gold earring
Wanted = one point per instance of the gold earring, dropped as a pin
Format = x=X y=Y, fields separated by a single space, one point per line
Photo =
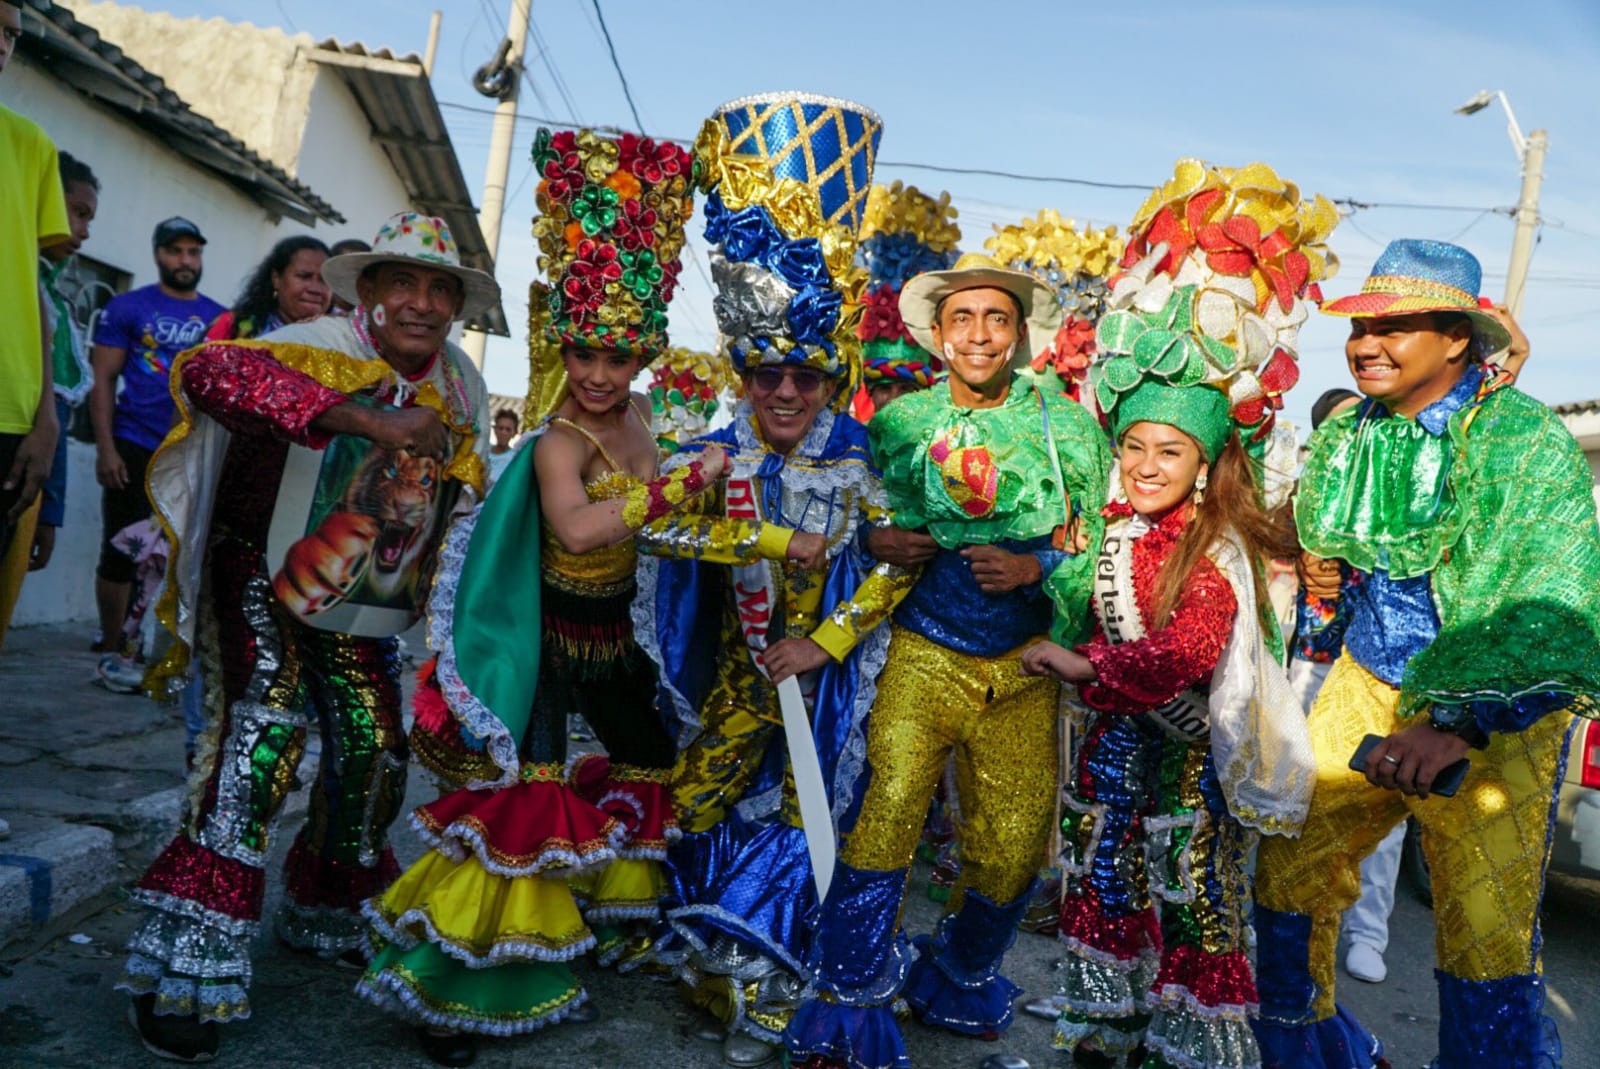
x=1200 y=488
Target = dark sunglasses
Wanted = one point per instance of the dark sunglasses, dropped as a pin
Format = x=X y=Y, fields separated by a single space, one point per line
x=769 y=379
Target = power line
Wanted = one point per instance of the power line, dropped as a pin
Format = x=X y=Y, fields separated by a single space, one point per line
x=617 y=65
x=1350 y=204
x=1143 y=187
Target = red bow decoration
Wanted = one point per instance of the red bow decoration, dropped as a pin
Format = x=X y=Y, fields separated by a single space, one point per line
x=636 y=226
x=1277 y=376
x=1237 y=247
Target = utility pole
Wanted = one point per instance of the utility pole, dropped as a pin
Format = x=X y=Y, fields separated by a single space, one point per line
x=500 y=79
x=1527 y=221
x=1530 y=153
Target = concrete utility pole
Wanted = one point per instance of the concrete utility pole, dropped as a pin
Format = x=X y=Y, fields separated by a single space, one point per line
x=1530 y=153
x=1527 y=221
x=502 y=82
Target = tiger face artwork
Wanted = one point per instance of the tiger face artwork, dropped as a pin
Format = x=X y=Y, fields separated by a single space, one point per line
x=398 y=491
x=369 y=548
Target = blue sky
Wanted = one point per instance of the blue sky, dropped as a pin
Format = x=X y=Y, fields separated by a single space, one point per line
x=1350 y=100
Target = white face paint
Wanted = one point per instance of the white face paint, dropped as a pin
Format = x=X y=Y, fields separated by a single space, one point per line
x=379 y=315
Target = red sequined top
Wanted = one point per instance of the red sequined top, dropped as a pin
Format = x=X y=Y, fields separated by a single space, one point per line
x=1135 y=677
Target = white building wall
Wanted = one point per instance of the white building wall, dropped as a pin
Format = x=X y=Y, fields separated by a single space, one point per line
x=339 y=159
x=142 y=181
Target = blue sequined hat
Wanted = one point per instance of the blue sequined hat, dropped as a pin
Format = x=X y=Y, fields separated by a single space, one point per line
x=1415 y=275
x=787 y=177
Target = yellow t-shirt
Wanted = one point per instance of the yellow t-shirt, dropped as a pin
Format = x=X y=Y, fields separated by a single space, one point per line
x=33 y=213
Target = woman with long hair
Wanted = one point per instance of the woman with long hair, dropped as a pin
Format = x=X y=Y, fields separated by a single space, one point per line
x=1157 y=830
x=285 y=287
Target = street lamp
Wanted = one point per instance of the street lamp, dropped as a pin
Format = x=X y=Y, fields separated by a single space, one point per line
x=1530 y=153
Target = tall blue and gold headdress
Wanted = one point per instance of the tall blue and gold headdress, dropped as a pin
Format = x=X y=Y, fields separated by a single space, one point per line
x=787 y=177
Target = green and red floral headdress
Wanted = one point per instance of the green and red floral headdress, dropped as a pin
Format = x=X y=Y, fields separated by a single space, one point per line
x=904 y=233
x=1218 y=266
x=610 y=234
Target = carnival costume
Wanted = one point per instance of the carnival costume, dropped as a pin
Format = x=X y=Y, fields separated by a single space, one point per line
x=1192 y=742
x=1076 y=264
x=216 y=484
x=904 y=233
x=787 y=176
x=532 y=862
x=1011 y=476
x=1472 y=529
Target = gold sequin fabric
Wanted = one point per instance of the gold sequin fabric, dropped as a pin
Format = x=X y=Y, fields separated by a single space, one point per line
x=1000 y=725
x=597 y=572
x=1486 y=846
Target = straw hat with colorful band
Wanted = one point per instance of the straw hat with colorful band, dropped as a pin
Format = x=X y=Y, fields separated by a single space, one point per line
x=410 y=237
x=919 y=301
x=1413 y=276
x=787 y=176
x=1218 y=263
x=610 y=234
x=905 y=233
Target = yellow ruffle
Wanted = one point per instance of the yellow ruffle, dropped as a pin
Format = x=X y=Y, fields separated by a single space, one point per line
x=625 y=884
x=483 y=916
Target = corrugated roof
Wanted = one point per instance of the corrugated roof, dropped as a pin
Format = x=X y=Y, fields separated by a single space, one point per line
x=397 y=98
x=76 y=53
x=1576 y=408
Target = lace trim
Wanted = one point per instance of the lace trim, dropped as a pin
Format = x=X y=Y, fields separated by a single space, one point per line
x=456 y=839
x=393 y=995
x=475 y=717
x=397 y=930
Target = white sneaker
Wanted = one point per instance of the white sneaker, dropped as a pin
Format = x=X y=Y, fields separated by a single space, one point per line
x=1365 y=962
x=119 y=674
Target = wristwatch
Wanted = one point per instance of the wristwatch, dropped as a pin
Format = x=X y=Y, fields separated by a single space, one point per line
x=1458 y=720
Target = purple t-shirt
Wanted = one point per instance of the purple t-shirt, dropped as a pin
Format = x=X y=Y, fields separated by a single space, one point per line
x=153 y=328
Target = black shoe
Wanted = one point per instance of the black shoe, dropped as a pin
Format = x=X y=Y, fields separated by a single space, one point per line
x=177 y=1039
x=455 y=1049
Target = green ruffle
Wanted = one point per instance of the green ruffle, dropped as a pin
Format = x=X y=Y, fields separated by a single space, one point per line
x=1514 y=555
x=1027 y=501
x=1377 y=493
x=429 y=986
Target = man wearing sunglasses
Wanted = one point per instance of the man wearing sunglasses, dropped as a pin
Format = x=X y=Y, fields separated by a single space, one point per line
x=773 y=582
x=1001 y=477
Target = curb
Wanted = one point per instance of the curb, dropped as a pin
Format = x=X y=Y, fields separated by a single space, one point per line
x=45 y=874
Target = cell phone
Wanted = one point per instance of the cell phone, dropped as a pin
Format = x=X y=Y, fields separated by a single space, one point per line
x=1445 y=784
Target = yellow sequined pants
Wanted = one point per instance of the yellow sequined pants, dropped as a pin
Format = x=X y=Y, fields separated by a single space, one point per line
x=1001 y=726
x=1486 y=847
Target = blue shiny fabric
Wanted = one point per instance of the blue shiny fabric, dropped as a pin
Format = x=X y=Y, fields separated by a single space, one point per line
x=749 y=235
x=754 y=885
x=859 y=963
x=1518 y=714
x=807 y=139
x=1495 y=1022
x=956 y=981
x=1121 y=759
x=1285 y=1031
x=894 y=258
x=1391 y=621
x=947 y=606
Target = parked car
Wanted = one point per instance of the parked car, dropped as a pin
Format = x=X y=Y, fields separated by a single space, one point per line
x=1575 y=848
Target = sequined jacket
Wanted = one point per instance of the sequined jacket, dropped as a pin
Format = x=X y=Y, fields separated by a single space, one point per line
x=1135 y=677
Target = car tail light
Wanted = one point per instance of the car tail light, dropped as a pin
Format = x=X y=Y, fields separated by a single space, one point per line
x=1590 y=754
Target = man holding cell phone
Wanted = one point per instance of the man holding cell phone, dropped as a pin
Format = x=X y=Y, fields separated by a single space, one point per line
x=1463 y=510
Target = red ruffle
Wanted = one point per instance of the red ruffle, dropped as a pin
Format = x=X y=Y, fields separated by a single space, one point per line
x=637 y=798
x=312 y=879
x=1213 y=979
x=1125 y=938
x=520 y=830
x=222 y=885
